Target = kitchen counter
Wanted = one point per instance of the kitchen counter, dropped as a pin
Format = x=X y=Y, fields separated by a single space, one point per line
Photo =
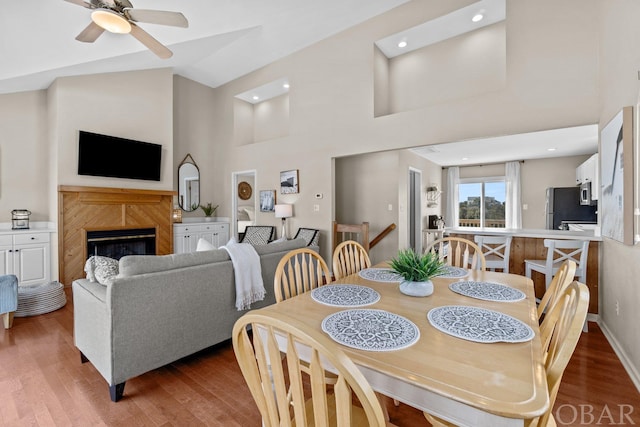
x=529 y=244
x=528 y=232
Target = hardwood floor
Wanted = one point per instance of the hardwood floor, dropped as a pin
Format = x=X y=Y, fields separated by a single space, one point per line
x=43 y=383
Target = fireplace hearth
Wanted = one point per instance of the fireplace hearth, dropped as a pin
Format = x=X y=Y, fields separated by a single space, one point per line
x=118 y=243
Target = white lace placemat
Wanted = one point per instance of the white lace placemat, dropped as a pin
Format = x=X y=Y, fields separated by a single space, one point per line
x=372 y=330
x=487 y=291
x=380 y=275
x=345 y=295
x=453 y=272
x=479 y=324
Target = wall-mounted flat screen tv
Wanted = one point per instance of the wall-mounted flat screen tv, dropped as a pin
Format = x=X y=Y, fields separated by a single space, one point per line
x=113 y=157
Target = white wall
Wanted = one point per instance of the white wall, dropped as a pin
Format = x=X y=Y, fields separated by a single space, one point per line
x=620 y=61
x=135 y=105
x=24 y=155
x=193 y=127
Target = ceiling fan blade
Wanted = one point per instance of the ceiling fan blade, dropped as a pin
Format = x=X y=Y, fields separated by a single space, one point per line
x=82 y=3
x=162 y=17
x=90 y=33
x=154 y=45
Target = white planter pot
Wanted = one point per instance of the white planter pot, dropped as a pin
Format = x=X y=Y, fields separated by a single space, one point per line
x=416 y=289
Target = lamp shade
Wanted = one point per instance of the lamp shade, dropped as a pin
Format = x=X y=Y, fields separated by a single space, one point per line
x=284 y=211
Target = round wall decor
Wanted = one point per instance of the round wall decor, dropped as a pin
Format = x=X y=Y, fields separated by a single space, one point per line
x=244 y=190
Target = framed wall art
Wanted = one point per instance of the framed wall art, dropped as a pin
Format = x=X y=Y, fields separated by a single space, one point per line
x=289 y=182
x=616 y=177
x=267 y=200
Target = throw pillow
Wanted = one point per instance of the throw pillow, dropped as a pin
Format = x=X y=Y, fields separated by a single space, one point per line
x=204 y=245
x=105 y=269
x=257 y=235
x=89 y=268
x=281 y=239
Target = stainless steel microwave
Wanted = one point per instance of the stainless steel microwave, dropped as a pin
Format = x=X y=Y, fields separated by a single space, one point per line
x=585 y=195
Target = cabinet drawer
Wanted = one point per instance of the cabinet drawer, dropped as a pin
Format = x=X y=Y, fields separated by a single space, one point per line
x=27 y=238
x=6 y=240
x=192 y=228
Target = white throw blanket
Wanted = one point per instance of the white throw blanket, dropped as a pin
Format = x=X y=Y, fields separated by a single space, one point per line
x=248 y=277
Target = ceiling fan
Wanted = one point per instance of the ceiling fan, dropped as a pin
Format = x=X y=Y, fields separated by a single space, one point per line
x=119 y=16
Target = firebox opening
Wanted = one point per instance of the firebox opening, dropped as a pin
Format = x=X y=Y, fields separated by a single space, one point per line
x=118 y=243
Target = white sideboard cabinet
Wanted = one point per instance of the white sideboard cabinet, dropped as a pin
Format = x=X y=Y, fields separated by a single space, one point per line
x=27 y=254
x=186 y=235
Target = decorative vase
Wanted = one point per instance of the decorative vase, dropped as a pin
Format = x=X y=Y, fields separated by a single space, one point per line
x=416 y=289
x=208 y=218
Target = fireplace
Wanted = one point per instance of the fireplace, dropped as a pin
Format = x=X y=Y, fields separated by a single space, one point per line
x=118 y=243
x=83 y=210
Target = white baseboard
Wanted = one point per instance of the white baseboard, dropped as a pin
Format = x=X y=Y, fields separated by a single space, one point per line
x=626 y=361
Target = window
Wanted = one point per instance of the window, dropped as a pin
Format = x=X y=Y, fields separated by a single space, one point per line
x=482 y=202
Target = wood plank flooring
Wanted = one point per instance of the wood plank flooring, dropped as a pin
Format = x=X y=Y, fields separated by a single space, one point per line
x=43 y=383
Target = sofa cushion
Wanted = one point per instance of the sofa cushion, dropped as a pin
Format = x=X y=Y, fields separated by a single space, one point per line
x=132 y=265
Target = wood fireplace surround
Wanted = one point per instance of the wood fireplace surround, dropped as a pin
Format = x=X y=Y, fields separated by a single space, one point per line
x=82 y=209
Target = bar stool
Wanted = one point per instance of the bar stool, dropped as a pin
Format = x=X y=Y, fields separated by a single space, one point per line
x=496 y=250
x=559 y=251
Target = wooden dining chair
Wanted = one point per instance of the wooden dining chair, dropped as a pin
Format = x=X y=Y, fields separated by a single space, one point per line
x=559 y=334
x=294 y=390
x=563 y=278
x=349 y=257
x=299 y=271
x=459 y=252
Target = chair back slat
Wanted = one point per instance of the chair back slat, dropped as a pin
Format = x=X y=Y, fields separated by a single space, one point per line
x=563 y=277
x=299 y=271
x=559 y=332
x=302 y=395
x=349 y=257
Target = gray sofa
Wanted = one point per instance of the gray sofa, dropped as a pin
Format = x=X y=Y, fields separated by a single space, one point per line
x=162 y=308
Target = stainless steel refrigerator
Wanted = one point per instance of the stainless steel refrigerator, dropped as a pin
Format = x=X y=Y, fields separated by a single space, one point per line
x=563 y=204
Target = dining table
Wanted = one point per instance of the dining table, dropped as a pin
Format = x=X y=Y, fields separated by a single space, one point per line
x=467 y=375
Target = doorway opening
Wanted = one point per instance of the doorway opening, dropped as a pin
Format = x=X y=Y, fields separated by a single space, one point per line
x=243 y=202
x=415 y=210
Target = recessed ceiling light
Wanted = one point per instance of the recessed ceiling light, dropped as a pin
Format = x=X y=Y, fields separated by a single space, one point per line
x=477 y=17
x=402 y=43
x=255 y=97
x=285 y=85
x=465 y=158
x=551 y=149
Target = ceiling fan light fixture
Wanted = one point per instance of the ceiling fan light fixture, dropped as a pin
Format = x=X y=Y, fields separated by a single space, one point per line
x=111 y=21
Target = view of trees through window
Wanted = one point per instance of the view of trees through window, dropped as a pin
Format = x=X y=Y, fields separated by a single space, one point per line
x=482 y=203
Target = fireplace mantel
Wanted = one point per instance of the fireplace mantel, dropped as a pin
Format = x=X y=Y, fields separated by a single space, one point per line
x=82 y=209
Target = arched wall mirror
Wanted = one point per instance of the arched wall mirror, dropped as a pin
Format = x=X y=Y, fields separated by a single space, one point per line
x=188 y=184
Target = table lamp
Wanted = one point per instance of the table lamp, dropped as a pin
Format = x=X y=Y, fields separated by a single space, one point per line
x=284 y=212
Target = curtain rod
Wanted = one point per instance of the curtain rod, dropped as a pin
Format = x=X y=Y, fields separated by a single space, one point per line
x=483 y=164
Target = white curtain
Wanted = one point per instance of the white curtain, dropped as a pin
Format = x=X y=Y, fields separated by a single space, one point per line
x=513 y=214
x=452 y=214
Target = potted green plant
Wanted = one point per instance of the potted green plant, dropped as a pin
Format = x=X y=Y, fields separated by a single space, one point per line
x=208 y=210
x=417 y=271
